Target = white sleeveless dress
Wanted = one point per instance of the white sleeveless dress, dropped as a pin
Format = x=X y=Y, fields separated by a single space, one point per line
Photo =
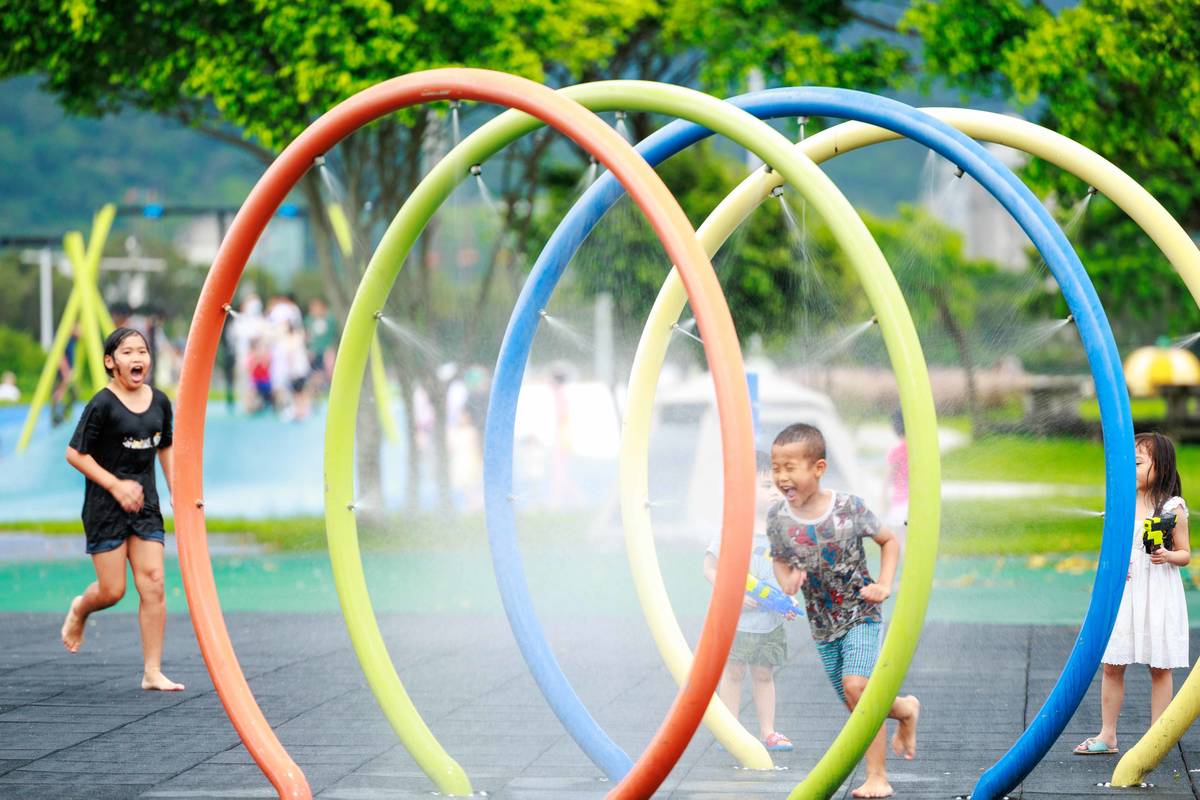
x=1152 y=623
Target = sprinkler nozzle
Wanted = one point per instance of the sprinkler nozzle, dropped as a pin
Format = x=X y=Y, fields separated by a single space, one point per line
x=874 y=320
x=542 y=313
x=777 y=191
x=1091 y=191
x=378 y=315
x=228 y=309
x=455 y=104
x=959 y=172
x=476 y=170
x=199 y=504
x=349 y=506
x=620 y=115
x=1070 y=318
x=802 y=120
x=767 y=169
x=319 y=161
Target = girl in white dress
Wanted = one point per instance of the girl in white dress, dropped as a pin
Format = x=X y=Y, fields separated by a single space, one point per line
x=1152 y=623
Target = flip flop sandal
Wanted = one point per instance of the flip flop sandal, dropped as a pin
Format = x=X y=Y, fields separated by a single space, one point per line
x=777 y=742
x=1095 y=747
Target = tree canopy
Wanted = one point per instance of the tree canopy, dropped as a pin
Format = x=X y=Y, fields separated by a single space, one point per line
x=1119 y=76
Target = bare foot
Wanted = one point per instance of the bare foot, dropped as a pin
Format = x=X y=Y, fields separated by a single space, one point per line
x=904 y=742
x=156 y=681
x=874 y=787
x=72 y=629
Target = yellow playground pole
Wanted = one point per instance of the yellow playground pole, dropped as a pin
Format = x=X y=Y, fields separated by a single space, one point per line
x=84 y=306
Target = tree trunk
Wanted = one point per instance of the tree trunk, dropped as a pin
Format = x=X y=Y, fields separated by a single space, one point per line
x=369 y=489
x=412 y=487
x=964 y=356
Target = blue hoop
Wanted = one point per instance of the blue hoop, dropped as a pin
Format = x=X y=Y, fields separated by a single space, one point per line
x=1078 y=291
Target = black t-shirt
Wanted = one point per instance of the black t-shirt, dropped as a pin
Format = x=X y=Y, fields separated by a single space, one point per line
x=125 y=444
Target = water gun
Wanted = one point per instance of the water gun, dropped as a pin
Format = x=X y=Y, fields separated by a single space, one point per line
x=771 y=598
x=1156 y=532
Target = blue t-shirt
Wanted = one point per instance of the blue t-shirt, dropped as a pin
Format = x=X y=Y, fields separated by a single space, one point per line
x=757 y=620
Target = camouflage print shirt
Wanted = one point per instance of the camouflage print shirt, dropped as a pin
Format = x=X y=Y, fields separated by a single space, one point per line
x=830 y=550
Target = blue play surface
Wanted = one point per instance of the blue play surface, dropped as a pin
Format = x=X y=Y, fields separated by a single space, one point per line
x=255 y=466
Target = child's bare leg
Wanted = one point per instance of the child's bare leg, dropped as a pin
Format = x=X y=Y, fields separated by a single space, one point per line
x=107 y=590
x=876 y=784
x=730 y=688
x=906 y=711
x=762 y=687
x=146 y=558
x=1161 y=686
x=1112 y=694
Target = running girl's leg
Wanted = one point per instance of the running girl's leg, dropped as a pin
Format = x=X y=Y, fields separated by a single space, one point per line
x=146 y=558
x=107 y=590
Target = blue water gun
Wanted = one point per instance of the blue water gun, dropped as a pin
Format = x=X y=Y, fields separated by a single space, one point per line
x=771 y=598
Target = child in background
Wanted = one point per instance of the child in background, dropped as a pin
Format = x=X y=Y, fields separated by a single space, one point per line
x=895 y=485
x=1152 y=622
x=816 y=543
x=761 y=641
x=122 y=429
x=258 y=365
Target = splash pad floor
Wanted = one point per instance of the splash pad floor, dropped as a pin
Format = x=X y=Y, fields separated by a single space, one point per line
x=79 y=726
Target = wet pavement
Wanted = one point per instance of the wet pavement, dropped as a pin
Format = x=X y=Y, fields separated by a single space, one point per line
x=79 y=726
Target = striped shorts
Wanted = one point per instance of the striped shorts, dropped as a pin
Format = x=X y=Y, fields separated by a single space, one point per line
x=852 y=654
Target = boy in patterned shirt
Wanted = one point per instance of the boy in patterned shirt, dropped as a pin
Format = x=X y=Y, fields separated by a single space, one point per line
x=818 y=533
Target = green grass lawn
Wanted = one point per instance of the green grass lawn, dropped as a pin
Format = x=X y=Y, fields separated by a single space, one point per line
x=1020 y=527
x=391 y=532
x=969 y=527
x=1027 y=459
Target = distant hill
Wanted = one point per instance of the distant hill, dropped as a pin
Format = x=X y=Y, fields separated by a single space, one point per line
x=56 y=170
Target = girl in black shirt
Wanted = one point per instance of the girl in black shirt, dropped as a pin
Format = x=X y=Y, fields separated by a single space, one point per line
x=114 y=445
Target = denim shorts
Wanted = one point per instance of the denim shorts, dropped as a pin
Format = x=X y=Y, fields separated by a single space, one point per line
x=102 y=544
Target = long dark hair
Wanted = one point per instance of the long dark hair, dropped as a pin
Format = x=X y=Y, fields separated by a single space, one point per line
x=1164 y=483
x=114 y=341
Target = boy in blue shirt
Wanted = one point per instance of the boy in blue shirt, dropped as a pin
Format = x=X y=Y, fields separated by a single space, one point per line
x=816 y=543
x=761 y=641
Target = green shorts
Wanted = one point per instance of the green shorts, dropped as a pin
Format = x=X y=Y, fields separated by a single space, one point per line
x=760 y=649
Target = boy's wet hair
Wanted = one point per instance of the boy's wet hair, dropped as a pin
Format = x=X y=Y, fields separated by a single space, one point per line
x=762 y=462
x=1165 y=482
x=114 y=341
x=807 y=435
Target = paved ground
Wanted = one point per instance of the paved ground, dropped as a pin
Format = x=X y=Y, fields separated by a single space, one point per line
x=78 y=726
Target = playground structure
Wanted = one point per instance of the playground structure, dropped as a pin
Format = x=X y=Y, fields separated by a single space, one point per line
x=694 y=277
x=86 y=310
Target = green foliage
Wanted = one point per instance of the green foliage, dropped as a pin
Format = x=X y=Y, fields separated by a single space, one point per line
x=21 y=354
x=268 y=68
x=791 y=44
x=781 y=280
x=965 y=41
x=1118 y=76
